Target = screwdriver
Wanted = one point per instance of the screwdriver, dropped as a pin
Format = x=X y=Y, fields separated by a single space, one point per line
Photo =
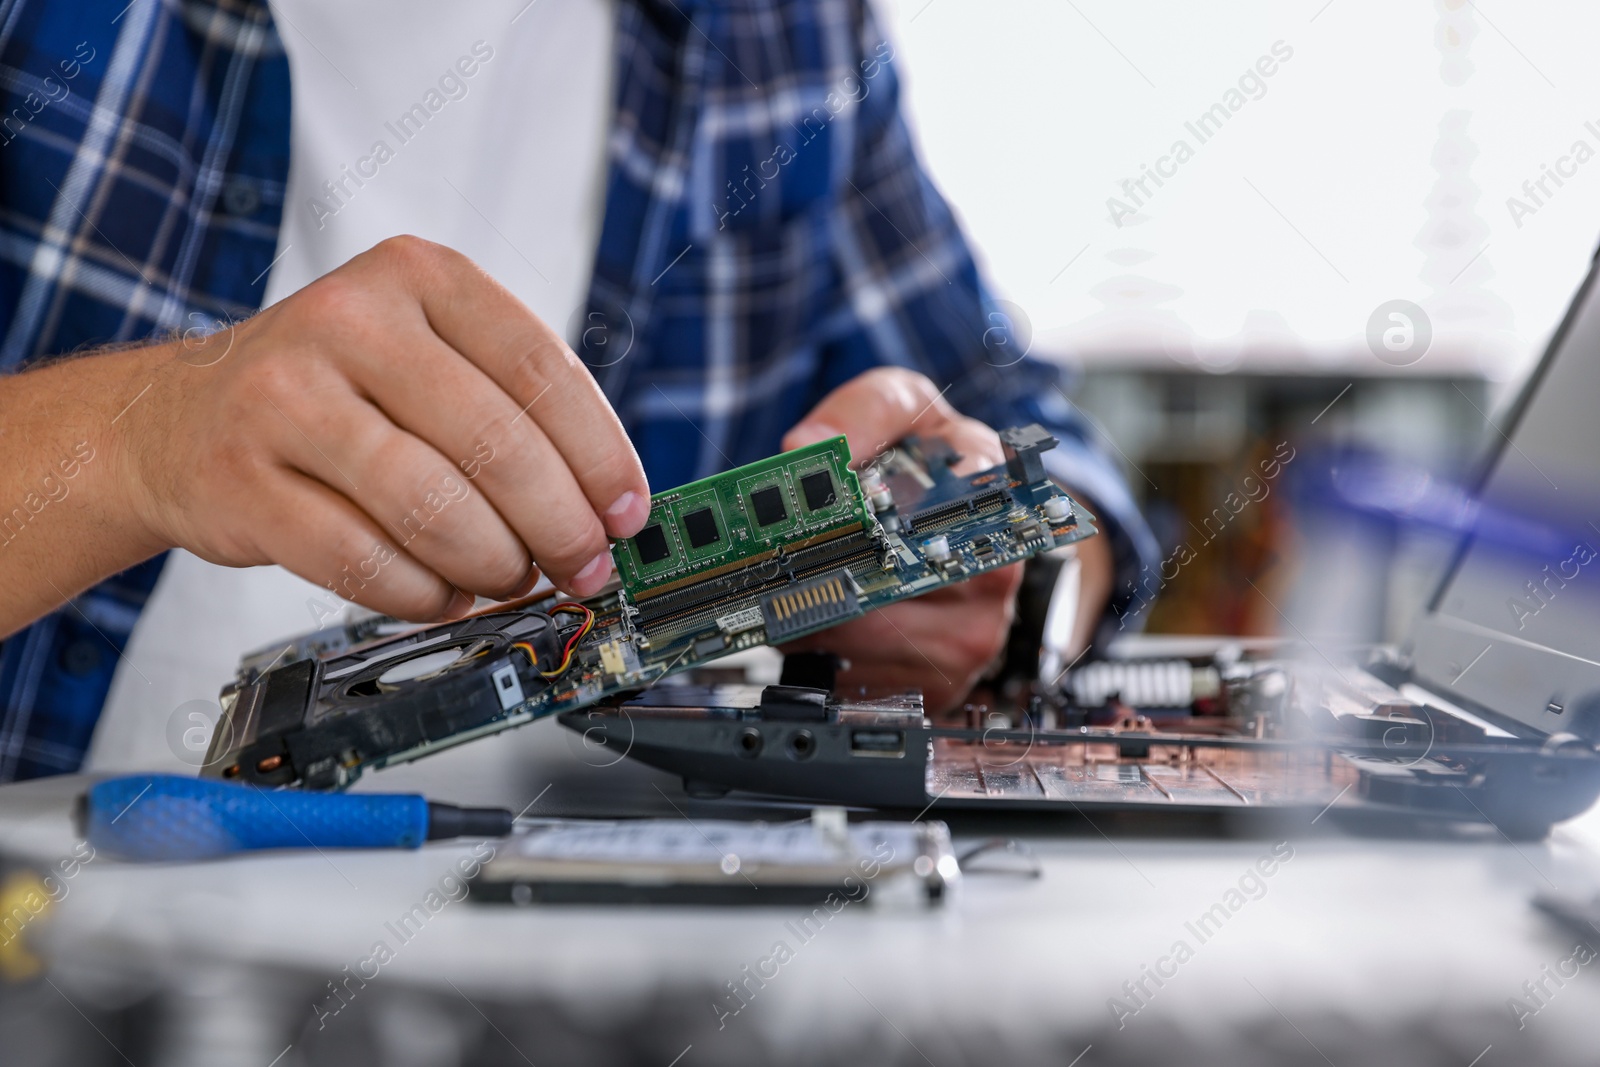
x=156 y=817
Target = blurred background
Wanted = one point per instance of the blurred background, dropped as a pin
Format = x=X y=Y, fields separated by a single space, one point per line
x=1218 y=315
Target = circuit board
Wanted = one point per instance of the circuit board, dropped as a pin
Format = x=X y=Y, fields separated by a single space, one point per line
x=741 y=517
x=319 y=710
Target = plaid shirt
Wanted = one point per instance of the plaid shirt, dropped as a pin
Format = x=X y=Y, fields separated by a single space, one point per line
x=768 y=235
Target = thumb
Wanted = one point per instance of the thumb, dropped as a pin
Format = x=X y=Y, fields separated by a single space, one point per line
x=809 y=431
x=871 y=410
x=884 y=405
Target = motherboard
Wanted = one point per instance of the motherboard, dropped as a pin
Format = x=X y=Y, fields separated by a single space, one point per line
x=758 y=555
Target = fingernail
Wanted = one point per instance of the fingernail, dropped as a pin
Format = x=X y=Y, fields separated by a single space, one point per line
x=627 y=515
x=809 y=433
x=593 y=577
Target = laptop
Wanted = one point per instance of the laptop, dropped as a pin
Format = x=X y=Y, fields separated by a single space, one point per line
x=1485 y=717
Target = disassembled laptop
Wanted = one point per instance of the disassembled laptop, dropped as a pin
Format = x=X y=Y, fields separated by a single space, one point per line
x=1207 y=734
x=759 y=555
x=798 y=543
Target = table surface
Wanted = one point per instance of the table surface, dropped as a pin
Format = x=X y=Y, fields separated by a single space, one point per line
x=1384 y=928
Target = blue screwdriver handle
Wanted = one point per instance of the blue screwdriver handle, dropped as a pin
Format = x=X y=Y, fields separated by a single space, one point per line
x=170 y=817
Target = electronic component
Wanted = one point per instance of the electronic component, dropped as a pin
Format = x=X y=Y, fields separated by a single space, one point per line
x=1025 y=447
x=878 y=494
x=818 y=487
x=651 y=544
x=768 y=505
x=955 y=511
x=763 y=554
x=746 y=515
x=823 y=601
x=710 y=645
x=617 y=657
x=1143 y=683
x=400 y=696
x=701 y=528
x=719 y=861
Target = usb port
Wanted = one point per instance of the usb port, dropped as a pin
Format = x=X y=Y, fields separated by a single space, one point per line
x=891 y=743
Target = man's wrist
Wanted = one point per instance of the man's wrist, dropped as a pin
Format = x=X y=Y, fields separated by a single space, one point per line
x=139 y=442
x=68 y=514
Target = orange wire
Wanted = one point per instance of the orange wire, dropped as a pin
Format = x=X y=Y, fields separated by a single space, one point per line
x=572 y=642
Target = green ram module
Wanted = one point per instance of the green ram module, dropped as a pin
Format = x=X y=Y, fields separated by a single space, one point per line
x=744 y=515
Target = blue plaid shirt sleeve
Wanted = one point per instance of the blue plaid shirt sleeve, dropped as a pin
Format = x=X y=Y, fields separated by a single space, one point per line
x=143 y=150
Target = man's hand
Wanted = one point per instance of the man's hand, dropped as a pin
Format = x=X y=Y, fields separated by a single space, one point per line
x=402 y=431
x=944 y=641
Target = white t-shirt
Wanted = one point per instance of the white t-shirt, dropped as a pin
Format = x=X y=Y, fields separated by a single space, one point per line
x=481 y=127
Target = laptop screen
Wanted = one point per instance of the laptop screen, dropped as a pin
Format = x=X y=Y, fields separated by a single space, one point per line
x=1516 y=627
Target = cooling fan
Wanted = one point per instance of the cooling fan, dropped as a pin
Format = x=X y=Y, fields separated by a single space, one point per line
x=413 y=693
x=412 y=665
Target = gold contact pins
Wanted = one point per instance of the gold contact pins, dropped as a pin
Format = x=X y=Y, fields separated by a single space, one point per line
x=830 y=592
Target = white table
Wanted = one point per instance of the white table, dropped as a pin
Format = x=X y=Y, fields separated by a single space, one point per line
x=1352 y=937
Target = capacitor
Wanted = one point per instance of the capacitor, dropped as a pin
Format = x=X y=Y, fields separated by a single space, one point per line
x=936 y=549
x=877 y=492
x=1058 y=509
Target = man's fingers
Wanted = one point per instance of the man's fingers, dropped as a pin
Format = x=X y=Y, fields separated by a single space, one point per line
x=872 y=410
x=502 y=452
x=324 y=538
x=414 y=495
x=479 y=318
x=883 y=405
x=978 y=445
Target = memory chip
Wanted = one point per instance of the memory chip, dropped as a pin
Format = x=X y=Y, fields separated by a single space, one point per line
x=768 y=505
x=701 y=528
x=652 y=543
x=805 y=496
x=818 y=488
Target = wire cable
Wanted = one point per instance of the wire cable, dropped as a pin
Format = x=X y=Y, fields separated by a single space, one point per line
x=572 y=642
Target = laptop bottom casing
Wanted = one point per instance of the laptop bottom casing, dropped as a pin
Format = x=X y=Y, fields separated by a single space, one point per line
x=1272 y=736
